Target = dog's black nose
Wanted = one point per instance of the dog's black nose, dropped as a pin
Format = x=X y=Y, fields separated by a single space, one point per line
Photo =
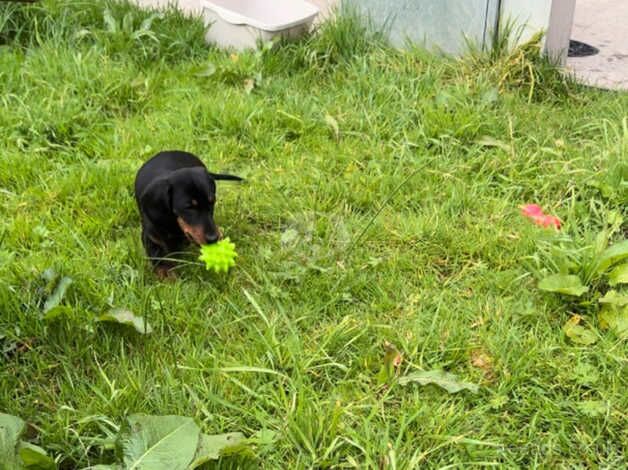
x=211 y=238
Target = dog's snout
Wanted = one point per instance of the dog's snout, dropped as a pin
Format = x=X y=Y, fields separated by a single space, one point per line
x=212 y=238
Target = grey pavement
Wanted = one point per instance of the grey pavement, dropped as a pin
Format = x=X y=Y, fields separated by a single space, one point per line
x=602 y=24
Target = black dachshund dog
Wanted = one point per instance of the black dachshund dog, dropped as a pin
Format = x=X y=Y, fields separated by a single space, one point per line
x=176 y=196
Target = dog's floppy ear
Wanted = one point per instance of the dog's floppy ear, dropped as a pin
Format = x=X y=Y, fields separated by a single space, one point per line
x=224 y=177
x=156 y=200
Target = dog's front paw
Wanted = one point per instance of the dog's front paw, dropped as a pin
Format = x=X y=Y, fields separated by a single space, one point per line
x=165 y=273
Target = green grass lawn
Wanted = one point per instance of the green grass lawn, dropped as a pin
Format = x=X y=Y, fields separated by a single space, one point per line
x=381 y=207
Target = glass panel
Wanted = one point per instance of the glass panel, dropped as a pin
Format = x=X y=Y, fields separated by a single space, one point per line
x=440 y=24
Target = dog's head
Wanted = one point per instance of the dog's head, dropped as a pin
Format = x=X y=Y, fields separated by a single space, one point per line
x=189 y=196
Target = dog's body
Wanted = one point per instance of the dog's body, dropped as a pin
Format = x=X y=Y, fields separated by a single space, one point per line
x=176 y=195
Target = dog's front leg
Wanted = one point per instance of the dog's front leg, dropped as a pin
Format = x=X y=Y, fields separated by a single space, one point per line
x=157 y=250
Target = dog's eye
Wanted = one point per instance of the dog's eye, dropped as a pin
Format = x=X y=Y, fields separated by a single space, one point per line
x=193 y=204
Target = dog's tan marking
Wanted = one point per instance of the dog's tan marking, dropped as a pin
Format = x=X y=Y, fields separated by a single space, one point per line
x=195 y=233
x=194 y=202
x=165 y=273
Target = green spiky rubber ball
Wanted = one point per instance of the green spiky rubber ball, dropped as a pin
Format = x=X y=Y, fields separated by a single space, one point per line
x=219 y=256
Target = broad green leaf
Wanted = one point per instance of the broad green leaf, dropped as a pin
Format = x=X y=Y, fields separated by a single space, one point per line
x=208 y=71
x=578 y=333
x=147 y=24
x=443 y=98
x=490 y=96
x=6 y=257
x=110 y=22
x=563 y=284
x=57 y=296
x=585 y=374
x=618 y=275
x=263 y=437
x=11 y=429
x=212 y=447
x=441 y=378
x=289 y=237
x=612 y=255
x=592 y=408
x=615 y=319
x=612 y=297
x=159 y=442
x=49 y=275
x=56 y=312
x=127 y=22
x=126 y=317
x=35 y=458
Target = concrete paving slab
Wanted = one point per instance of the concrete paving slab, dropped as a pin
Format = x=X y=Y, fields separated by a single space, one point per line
x=602 y=24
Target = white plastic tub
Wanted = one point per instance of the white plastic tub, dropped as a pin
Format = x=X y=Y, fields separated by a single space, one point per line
x=242 y=23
